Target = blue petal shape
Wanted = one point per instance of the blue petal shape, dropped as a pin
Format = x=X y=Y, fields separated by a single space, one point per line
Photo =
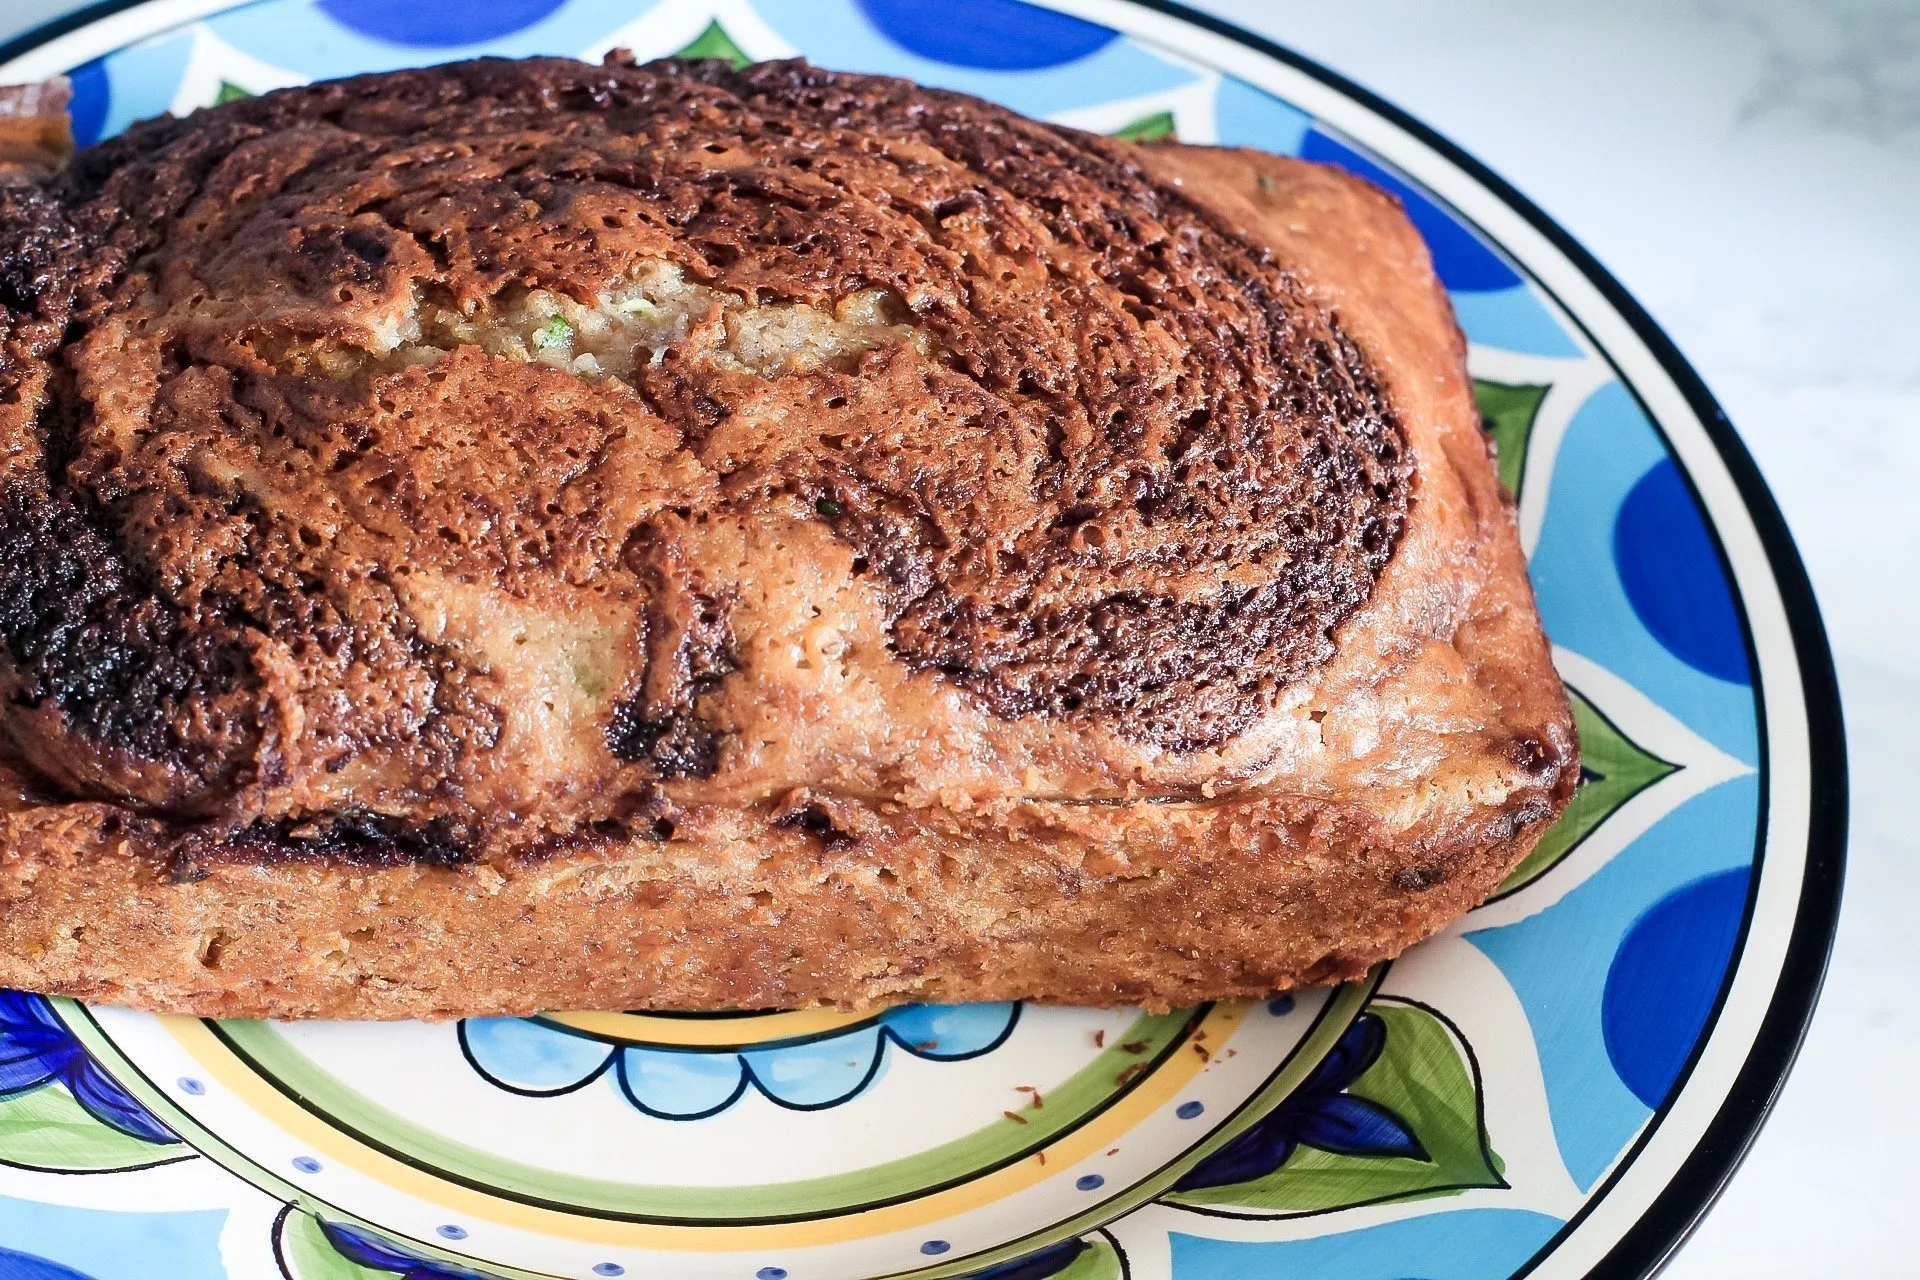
x=949 y=1032
x=368 y=1251
x=365 y=1250
x=1254 y=1154
x=25 y=1266
x=836 y=34
x=818 y=1073
x=300 y=38
x=530 y=1057
x=1665 y=978
x=34 y=1047
x=680 y=1086
x=1672 y=576
x=1350 y=1126
x=104 y=1100
x=1461 y=259
x=23 y=1076
x=436 y=26
x=88 y=108
x=23 y=1012
x=998 y=35
x=1357 y=1049
x=1035 y=1266
x=1318 y=1113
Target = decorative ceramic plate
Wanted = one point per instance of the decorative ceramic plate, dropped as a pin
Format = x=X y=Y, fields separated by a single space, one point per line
x=1556 y=1086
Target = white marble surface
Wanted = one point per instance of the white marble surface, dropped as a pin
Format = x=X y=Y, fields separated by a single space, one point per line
x=1751 y=171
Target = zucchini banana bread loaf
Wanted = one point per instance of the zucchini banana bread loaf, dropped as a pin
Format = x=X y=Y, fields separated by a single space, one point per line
x=526 y=535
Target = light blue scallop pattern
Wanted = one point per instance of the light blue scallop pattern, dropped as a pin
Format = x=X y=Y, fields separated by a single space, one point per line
x=530 y=1056
x=679 y=1085
x=819 y=1074
x=948 y=1030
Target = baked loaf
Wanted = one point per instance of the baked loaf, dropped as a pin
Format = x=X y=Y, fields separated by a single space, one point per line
x=525 y=535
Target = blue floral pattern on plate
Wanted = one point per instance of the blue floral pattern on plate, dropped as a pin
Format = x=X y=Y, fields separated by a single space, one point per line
x=37 y=1049
x=1320 y=1113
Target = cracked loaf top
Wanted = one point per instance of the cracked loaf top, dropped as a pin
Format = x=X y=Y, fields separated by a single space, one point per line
x=504 y=449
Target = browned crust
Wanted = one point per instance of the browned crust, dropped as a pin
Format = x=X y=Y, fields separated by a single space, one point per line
x=1382 y=794
x=263 y=506
x=1152 y=905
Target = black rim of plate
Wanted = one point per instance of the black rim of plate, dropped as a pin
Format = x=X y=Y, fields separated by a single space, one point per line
x=1653 y=1238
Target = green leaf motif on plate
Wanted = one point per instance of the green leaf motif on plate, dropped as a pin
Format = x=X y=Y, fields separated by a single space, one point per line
x=1157 y=127
x=1507 y=411
x=46 y=1129
x=1613 y=770
x=714 y=42
x=1426 y=1078
x=230 y=92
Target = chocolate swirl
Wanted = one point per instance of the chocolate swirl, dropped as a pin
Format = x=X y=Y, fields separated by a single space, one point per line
x=272 y=367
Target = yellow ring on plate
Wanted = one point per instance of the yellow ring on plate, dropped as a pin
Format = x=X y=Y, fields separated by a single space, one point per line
x=746 y=1031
